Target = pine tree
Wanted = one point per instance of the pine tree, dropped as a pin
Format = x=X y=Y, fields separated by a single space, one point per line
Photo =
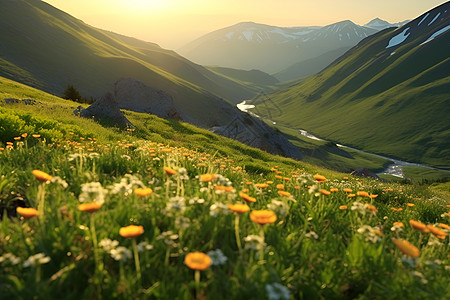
x=71 y=93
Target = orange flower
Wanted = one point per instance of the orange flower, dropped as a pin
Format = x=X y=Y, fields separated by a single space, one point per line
x=419 y=226
x=372 y=208
x=169 y=171
x=197 y=261
x=247 y=197
x=89 y=207
x=239 y=208
x=208 y=177
x=263 y=217
x=396 y=209
x=261 y=185
x=345 y=178
x=372 y=196
x=410 y=204
x=334 y=190
x=280 y=186
x=269 y=182
x=406 y=247
x=445 y=226
x=325 y=192
x=343 y=207
x=319 y=178
x=131 y=231
x=24 y=135
x=362 y=194
x=41 y=176
x=351 y=195
x=27 y=212
x=284 y=193
x=143 y=192
x=437 y=232
x=399 y=224
x=224 y=188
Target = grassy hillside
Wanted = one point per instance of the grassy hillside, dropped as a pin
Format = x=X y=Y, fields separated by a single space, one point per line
x=49 y=49
x=319 y=241
x=392 y=101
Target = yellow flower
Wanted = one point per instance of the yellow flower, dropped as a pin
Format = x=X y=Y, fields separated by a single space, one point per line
x=280 y=186
x=406 y=247
x=197 y=261
x=41 y=176
x=27 y=212
x=319 y=178
x=208 y=177
x=143 y=192
x=263 y=217
x=239 y=208
x=89 y=207
x=131 y=231
x=224 y=188
x=261 y=185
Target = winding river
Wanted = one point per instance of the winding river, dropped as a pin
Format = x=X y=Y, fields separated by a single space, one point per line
x=394 y=169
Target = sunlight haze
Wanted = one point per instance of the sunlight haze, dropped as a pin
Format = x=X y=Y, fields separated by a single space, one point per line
x=173 y=23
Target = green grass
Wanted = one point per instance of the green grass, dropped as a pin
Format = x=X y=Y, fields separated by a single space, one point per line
x=314 y=249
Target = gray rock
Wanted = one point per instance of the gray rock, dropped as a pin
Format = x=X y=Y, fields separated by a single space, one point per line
x=134 y=95
x=11 y=100
x=29 y=101
x=254 y=132
x=364 y=172
x=105 y=108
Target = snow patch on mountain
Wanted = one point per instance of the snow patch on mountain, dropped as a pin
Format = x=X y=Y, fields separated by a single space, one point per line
x=423 y=19
x=434 y=19
x=437 y=33
x=399 y=38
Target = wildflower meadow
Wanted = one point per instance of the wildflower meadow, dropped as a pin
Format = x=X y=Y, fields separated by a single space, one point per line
x=138 y=219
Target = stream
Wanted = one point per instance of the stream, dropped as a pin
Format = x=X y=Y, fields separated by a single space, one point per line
x=394 y=169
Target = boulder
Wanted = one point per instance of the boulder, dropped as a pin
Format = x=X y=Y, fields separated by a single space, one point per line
x=105 y=108
x=134 y=95
x=364 y=172
x=255 y=133
x=11 y=100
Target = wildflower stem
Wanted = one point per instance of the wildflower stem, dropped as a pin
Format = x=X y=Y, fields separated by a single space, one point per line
x=166 y=259
x=41 y=199
x=261 y=233
x=236 y=231
x=136 y=260
x=197 y=284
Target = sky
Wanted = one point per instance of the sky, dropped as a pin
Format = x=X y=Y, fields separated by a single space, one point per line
x=173 y=23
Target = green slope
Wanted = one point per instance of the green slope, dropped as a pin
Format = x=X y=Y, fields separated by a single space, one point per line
x=49 y=49
x=393 y=101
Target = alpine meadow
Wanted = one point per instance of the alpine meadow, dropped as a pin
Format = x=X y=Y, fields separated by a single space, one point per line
x=309 y=159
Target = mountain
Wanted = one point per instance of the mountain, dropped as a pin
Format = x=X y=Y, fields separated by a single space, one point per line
x=250 y=45
x=389 y=94
x=48 y=49
x=379 y=24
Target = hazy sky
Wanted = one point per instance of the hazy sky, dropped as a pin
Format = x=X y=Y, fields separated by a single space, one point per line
x=173 y=23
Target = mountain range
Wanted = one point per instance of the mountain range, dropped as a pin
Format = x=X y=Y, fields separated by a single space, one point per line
x=288 y=52
x=389 y=94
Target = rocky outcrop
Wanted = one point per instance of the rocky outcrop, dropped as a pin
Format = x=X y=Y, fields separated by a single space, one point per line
x=254 y=132
x=134 y=95
x=364 y=172
x=105 y=108
x=23 y=101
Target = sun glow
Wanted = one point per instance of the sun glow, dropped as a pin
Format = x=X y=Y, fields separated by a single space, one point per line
x=144 y=6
